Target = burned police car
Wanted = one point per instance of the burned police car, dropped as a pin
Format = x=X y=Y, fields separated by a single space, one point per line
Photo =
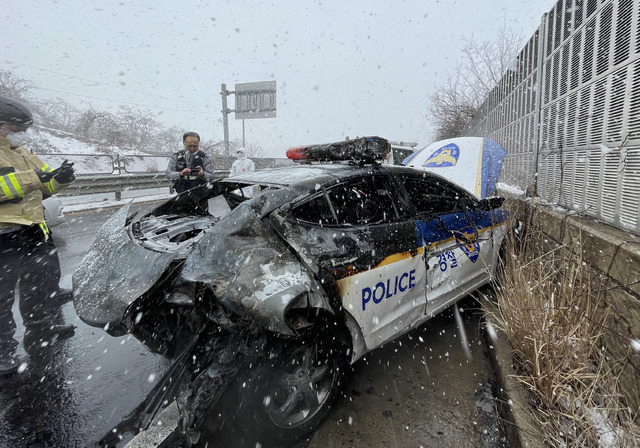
x=263 y=309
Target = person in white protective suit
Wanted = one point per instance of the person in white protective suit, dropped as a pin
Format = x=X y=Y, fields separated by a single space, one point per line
x=241 y=166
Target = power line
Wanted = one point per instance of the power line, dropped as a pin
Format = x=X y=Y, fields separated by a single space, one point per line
x=122 y=102
x=103 y=84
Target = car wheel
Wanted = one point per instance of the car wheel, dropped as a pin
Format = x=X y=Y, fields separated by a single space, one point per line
x=278 y=401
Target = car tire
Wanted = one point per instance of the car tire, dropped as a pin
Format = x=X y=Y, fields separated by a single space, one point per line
x=280 y=399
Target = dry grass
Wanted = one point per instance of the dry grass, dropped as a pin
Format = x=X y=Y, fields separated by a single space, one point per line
x=550 y=307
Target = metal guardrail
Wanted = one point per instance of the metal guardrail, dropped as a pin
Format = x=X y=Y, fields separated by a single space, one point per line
x=137 y=164
x=115 y=173
x=117 y=183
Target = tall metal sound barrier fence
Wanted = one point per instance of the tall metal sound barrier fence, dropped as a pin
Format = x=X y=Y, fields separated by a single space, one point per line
x=570 y=111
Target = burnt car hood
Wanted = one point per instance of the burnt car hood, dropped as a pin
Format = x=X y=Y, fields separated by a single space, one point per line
x=241 y=258
x=114 y=273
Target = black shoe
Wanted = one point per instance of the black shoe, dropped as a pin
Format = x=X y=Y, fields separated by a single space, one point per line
x=56 y=333
x=62 y=296
x=10 y=364
x=37 y=343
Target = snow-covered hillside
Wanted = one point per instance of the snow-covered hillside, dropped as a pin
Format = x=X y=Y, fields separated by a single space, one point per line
x=54 y=146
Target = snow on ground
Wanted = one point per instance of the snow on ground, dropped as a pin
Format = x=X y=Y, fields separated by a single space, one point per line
x=46 y=140
x=76 y=204
x=511 y=189
x=54 y=146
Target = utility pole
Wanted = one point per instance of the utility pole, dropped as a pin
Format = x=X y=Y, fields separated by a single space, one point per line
x=225 y=117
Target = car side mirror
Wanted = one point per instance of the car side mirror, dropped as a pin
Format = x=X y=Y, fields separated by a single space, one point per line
x=491 y=203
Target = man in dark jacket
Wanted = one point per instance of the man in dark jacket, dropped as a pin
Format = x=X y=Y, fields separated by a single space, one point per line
x=28 y=259
x=190 y=166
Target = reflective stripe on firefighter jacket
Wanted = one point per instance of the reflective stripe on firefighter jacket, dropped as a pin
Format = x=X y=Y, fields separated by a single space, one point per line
x=21 y=191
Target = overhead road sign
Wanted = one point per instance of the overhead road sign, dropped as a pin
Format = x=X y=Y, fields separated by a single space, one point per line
x=255 y=100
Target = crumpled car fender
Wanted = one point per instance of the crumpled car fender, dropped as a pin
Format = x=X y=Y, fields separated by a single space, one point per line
x=276 y=286
x=266 y=277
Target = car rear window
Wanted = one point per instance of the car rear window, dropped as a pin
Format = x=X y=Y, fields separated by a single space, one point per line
x=315 y=211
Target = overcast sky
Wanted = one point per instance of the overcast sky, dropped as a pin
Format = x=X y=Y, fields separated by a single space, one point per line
x=342 y=67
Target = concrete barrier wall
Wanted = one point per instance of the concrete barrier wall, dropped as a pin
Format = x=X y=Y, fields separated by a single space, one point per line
x=614 y=253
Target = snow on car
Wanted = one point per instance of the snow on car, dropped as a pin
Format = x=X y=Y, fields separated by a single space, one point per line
x=263 y=309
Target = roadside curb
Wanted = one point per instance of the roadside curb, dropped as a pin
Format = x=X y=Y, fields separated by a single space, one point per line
x=158 y=432
x=511 y=398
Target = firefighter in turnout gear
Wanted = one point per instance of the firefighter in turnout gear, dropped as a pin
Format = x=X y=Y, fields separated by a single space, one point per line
x=28 y=259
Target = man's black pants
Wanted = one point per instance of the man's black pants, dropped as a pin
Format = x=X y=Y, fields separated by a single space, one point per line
x=29 y=263
x=184 y=185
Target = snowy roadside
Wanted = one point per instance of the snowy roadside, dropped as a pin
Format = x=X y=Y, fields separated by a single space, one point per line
x=81 y=203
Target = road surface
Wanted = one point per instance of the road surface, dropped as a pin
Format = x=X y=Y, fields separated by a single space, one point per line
x=422 y=390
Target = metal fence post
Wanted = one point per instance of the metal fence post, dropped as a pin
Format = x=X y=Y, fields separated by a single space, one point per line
x=117 y=165
x=542 y=43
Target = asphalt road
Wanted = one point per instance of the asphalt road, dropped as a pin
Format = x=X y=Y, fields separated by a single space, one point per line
x=422 y=390
x=88 y=383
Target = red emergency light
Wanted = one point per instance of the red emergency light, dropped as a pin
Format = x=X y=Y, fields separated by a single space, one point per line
x=297 y=153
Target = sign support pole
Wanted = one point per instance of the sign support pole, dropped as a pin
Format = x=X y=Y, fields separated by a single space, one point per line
x=225 y=117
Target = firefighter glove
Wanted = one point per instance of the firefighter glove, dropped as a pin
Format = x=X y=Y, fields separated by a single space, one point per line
x=65 y=173
x=44 y=176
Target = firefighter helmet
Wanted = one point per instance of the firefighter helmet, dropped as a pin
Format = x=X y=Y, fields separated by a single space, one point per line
x=14 y=113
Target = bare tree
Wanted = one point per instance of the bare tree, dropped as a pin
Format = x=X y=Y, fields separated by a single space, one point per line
x=213 y=148
x=254 y=150
x=140 y=127
x=13 y=87
x=58 y=114
x=129 y=128
x=91 y=123
x=451 y=108
x=167 y=140
x=482 y=67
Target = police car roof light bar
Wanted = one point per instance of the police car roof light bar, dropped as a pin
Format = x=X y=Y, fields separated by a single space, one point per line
x=363 y=149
